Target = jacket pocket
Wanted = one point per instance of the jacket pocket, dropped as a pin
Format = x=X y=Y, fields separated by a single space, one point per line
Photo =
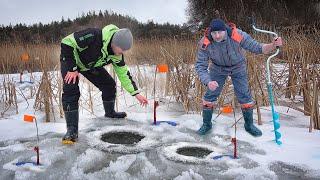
x=216 y=57
x=234 y=58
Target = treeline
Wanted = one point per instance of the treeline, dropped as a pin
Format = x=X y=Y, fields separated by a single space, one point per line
x=55 y=31
x=280 y=13
x=270 y=13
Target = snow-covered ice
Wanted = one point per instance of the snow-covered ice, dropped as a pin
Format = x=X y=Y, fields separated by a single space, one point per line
x=154 y=157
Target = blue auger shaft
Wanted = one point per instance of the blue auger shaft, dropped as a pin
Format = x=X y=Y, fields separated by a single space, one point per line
x=274 y=114
x=269 y=83
x=271 y=98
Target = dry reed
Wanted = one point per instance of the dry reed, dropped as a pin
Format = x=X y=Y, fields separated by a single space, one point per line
x=295 y=72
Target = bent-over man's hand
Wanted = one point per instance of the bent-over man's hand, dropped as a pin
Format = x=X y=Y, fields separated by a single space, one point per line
x=71 y=77
x=142 y=100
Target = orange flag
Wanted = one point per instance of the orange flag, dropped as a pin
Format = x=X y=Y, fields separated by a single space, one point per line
x=25 y=57
x=227 y=109
x=28 y=118
x=162 y=68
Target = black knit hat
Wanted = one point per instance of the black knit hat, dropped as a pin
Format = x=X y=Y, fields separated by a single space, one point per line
x=217 y=25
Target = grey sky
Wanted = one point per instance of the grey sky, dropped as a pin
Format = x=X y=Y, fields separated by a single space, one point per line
x=45 y=11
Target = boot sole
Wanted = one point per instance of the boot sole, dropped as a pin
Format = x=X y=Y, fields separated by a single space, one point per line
x=208 y=132
x=68 y=142
x=254 y=135
x=115 y=117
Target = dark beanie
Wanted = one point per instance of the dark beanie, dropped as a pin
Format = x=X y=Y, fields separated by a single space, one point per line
x=217 y=25
x=123 y=38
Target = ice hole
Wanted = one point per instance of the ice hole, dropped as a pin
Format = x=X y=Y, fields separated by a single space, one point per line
x=122 y=137
x=198 y=152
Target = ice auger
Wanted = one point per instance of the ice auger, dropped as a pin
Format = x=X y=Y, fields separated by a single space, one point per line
x=275 y=115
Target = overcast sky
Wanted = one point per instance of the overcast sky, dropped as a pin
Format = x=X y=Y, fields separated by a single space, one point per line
x=45 y=11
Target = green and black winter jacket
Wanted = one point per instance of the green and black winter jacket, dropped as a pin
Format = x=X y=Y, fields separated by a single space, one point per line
x=91 y=48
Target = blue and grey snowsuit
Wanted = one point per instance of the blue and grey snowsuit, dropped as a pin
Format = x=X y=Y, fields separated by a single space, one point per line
x=227 y=59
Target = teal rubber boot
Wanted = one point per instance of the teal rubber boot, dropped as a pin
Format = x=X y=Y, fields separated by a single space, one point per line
x=248 y=122
x=207 y=124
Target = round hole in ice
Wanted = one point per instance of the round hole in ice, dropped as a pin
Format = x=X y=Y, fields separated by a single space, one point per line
x=198 y=152
x=122 y=137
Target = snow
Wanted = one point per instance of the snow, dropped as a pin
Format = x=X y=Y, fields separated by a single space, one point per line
x=251 y=174
x=154 y=157
x=24 y=168
x=189 y=175
x=15 y=147
x=116 y=170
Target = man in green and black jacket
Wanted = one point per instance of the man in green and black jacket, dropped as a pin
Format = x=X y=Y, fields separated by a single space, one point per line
x=86 y=52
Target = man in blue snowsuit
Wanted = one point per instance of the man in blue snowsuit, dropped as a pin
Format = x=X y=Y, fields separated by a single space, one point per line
x=223 y=45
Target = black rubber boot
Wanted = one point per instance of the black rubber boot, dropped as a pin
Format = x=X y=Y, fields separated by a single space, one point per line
x=248 y=122
x=110 y=112
x=72 y=120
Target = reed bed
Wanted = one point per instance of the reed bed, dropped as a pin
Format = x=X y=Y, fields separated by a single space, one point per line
x=295 y=72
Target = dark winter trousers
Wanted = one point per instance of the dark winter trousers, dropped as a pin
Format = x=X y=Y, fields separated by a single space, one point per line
x=98 y=76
